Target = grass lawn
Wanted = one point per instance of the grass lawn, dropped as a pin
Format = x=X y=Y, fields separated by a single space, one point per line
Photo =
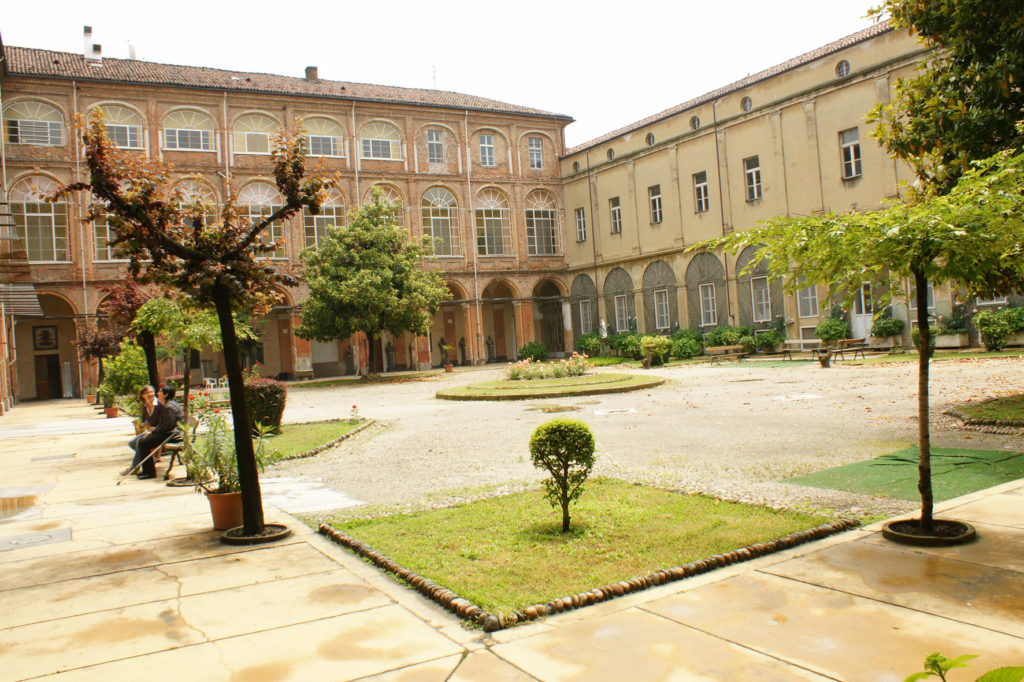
x=1008 y=407
x=505 y=389
x=356 y=381
x=296 y=439
x=955 y=472
x=912 y=356
x=508 y=552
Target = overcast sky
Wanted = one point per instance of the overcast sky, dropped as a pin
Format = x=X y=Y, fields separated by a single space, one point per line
x=604 y=64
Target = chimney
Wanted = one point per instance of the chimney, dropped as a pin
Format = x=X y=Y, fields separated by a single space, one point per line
x=92 y=52
x=312 y=74
x=87 y=42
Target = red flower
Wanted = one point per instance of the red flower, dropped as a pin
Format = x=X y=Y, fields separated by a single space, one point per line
x=216 y=410
x=354 y=407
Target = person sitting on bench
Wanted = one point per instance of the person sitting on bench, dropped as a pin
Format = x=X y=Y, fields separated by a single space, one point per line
x=148 y=419
x=171 y=415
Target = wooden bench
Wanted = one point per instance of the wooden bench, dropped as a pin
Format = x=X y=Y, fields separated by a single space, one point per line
x=730 y=352
x=855 y=345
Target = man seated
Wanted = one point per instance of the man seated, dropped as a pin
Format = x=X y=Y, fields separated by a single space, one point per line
x=170 y=415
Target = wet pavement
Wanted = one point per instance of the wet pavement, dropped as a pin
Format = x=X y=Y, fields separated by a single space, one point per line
x=105 y=577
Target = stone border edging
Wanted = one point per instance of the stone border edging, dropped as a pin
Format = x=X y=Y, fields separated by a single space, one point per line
x=596 y=390
x=492 y=622
x=997 y=426
x=330 y=444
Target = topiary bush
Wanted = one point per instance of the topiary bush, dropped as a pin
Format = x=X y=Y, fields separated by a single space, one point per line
x=915 y=336
x=535 y=351
x=627 y=344
x=993 y=328
x=832 y=329
x=655 y=348
x=748 y=342
x=589 y=344
x=565 y=449
x=265 y=399
x=887 y=326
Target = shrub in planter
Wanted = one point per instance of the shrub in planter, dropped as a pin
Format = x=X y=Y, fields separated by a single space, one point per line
x=767 y=341
x=266 y=399
x=655 y=348
x=723 y=336
x=993 y=328
x=589 y=343
x=749 y=343
x=915 y=336
x=565 y=449
x=832 y=330
x=1014 y=318
x=534 y=350
x=887 y=326
x=956 y=322
x=627 y=344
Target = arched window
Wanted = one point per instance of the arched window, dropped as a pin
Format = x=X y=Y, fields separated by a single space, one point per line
x=256 y=201
x=381 y=141
x=124 y=126
x=323 y=137
x=440 y=213
x=188 y=129
x=33 y=123
x=542 y=225
x=391 y=195
x=42 y=226
x=201 y=196
x=253 y=133
x=493 y=226
x=332 y=212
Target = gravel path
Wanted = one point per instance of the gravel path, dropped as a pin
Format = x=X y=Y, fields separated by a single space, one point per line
x=730 y=431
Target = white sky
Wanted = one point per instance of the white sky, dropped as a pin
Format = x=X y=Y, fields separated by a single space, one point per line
x=604 y=64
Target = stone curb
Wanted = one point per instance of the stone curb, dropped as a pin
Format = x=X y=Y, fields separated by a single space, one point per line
x=492 y=622
x=998 y=426
x=320 y=448
x=597 y=390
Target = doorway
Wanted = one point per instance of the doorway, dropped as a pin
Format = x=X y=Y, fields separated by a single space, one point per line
x=863 y=313
x=48 y=384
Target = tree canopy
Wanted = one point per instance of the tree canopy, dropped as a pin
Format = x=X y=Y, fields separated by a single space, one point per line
x=368 y=277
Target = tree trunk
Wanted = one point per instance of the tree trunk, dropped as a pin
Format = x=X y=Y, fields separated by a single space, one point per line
x=148 y=343
x=565 y=516
x=371 y=356
x=248 y=474
x=187 y=378
x=924 y=466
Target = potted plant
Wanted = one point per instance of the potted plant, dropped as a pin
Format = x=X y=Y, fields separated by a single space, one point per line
x=953 y=328
x=768 y=341
x=445 y=350
x=90 y=394
x=885 y=330
x=830 y=331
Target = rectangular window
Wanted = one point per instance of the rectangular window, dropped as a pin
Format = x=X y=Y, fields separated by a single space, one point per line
x=541 y=233
x=43 y=228
x=103 y=236
x=700 y=192
x=322 y=145
x=912 y=296
x=849 y=149
x=708 y=305
x=487 y=151
x=752 y=177
x=34 y=132
x=491 y=236
x=176 y=138
x=586 y=320
x=760 y=297
x=125 y=136
x=661 y=317
x=616 y=213
x=998 y=300
x=581 y=225
x=536 y=146
x=315 y=226
x=435 y=147
x=621 y=314
x=376 y=149
x=654 y=199
x=808 y=301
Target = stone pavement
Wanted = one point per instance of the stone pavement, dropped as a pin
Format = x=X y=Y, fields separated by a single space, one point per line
x=111 y=578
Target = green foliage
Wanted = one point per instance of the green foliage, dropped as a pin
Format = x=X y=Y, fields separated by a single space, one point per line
x=626 y=344
x=767 y=341
x=937 y=665
x=723 y=336
x=265 y=399
x=993 y=328
x=887 y=326
x=1014 y=319
x=210 y=457
x=368 y=277
x=956 y=322
x=575 y=366
x=124 y=374
x=832 y=329
x=748 y=342
x=915 y=337
x=534 y=350
x=589 y=343
x=656 y=348
x=685 y=348
x=565 y=449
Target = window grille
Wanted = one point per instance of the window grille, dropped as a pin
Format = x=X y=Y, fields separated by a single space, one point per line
x=33 y=123
x=440 y=213
x=332 y=212
x=493 y=228
x=257 y=201
x=40 y=225
x=542 y=225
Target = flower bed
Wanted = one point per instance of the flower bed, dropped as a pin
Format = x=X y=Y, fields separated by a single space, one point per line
x=574 y=366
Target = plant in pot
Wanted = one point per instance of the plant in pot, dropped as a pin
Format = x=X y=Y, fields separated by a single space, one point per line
x=768 y=341
x=953 y=328
x=888 y=327
x=445 y=357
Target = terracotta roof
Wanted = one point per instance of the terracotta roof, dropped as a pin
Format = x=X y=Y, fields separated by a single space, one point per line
x=842 y=43
x=25 y=61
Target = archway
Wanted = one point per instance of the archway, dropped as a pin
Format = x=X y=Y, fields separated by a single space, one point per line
x=501 y=341
x=451 y=328
x=661 y=300
x=705 y=292
x=47 y=352
x=583 y=301
x=620 y=301
x=547 y=316
x=760 y=298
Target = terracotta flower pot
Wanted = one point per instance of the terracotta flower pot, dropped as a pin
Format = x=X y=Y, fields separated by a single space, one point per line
x=226 y=509
x=90 y=398
x=111 y=412
x=448 y=368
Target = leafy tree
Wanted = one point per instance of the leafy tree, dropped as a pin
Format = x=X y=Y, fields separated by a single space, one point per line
x=99 y=343
x=126 y=374
x=121 y=305
x=565 y=449
x=962 y=105
x=368 y=277
x=170 y=242
x=972 y=238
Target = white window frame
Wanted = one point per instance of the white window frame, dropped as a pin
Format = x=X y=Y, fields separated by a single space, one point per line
x=708 y=304
x=998 y=300
x=586 y=316
x=912 y=296
x=176 y=134
x=323 y=129
x=100 y=225
x=439 y=211
x=654 y=199
x=493 y=224
x=488 y=157
x=48 y=220
x=314 y=227
x=374 y=136
x=33 y=123
x=435 y=146
x=535 y=146
x=807 y=301
x=251 y=134
x=187 y=123
x=849 y=152
x=581 y=224
x=621 y=313
x=615 y=209
x=257 y=211
x=542 y=225
x=761 y=309
x=661 y=316
x=752 y=177
x=701 y=202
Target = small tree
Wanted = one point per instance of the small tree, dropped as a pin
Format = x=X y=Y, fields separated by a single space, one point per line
x=368 y=277
x=96 y=344
x=122 y=304
x=565 y=449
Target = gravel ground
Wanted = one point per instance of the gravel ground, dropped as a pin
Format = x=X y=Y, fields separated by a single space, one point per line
x=732 y=431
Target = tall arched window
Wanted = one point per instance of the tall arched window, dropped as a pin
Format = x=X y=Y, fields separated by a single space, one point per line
x=189 y=130
x=542 y=225
x=33 y=123
x=391 y=195
x=252 y=134
x=323 y=137
x=256 y=201
x=201 y=196
x=440 y=212
x=124 y=126
x=380 y=141
x=332 y=212
x=493 y=227
x=42 y=226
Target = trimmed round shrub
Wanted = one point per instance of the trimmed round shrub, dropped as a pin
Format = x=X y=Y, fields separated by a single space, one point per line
x=767 y=341
x=887 y=326
x=993 y=328
x=589 y=344
x=748 y=343
x=534 y=350
x=565 y=449
x=832 y=329
x=723 y=336
x=915 y=336
x=685 y=348
x=265 y=399
x=656 y=348
x=627 y=344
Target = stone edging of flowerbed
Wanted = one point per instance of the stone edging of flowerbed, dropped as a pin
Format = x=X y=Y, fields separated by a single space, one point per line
x=320 y=448
x=492 y=622
x=596 y=389
x=1000 y=426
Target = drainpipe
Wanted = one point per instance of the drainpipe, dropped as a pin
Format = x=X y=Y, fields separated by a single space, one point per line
x=355 y=152
x=721 y=208
x=81 y=234
x=227 y=145
x=593 y=240
x=476 y=274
